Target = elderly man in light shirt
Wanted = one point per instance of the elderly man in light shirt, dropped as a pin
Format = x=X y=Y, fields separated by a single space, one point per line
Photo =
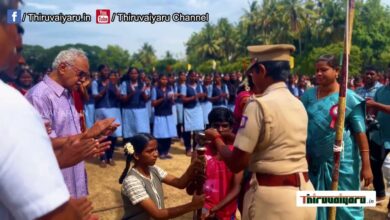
x=53 y=100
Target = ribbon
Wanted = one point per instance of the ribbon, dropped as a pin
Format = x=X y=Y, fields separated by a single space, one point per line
x=333 y=114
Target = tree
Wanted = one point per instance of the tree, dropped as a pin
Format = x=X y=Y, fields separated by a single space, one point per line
x=115 y=57
x=227 y=38
x=209 y=44
x=307 y=66
x=166 y=64
x=146 y=57
x=35 y=56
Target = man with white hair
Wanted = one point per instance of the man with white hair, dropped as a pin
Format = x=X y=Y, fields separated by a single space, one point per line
x=52 y=98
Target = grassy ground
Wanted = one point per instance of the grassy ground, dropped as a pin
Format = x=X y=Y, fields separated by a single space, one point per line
x=105 y=190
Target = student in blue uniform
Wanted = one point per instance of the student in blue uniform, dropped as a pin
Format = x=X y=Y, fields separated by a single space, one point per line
x=181 y=85
x=220 y=93
x=134 y=98
x=148 y=91
x=232 y=88
x=173 y=87
x=207 y=106
x=89 y=105
x=164 y=127
x=107 y=105
x=193 y=113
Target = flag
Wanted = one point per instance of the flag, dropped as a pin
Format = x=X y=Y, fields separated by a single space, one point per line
x=291 y=62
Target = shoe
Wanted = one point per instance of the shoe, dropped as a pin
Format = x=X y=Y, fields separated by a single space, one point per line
x=163 y=157
x=111 y=162
x=189 y=153
x=168 y=156
x=103 y=164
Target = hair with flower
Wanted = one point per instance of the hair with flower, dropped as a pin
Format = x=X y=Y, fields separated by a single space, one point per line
x=136 y=145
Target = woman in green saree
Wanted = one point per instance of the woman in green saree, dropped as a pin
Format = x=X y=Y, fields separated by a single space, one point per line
x=321 y=105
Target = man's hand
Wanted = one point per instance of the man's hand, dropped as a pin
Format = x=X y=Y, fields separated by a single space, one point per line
x=370 y=103
x=83 y=207
x=77 y=150
x=103 y=145
x=103 y=127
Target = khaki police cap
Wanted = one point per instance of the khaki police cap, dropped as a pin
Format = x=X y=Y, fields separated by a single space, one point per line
x=276 y=52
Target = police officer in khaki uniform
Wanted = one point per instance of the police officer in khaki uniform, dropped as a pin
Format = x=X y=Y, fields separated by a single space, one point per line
x=271 y=140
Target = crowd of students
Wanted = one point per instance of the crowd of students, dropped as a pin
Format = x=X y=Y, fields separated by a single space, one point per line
x=165 y=105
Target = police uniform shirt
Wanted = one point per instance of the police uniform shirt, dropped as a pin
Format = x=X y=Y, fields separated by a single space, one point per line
x=273 y=130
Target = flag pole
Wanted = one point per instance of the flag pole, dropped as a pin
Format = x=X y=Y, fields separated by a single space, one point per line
x=338 y=145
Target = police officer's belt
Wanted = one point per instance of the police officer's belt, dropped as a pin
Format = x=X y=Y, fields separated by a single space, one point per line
x=281 y=180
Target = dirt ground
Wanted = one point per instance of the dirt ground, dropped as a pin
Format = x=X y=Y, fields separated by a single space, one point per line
x=105 y=194
x=105 y=190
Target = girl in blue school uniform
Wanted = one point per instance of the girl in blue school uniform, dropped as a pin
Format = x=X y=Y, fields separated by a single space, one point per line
x=89 y=107
x=181 y=85
x=134 y=111
x=231 y=91
x=220 y=93
x=148 y=91
x=193 y=113
x=107 y=105
x=206 y=104
x=164 y=127
x=172 y=85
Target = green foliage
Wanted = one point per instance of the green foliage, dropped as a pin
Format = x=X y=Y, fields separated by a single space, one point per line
x=145 y=57
x=205 y=67
x=307 y=65
x=180 y=65
x=166 y=64
x=36 y=57
x=314 y=27
x=115 y=57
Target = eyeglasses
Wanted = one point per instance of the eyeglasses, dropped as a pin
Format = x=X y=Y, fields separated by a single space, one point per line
x=223 y=125
x=80 y=73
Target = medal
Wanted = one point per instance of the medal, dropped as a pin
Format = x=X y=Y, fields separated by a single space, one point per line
x=333 y=114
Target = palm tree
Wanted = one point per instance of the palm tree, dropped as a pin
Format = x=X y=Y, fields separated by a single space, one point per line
x=208 y=46
x=332 y=22
x=227 y=37
x=146 y=55
x=295 y=16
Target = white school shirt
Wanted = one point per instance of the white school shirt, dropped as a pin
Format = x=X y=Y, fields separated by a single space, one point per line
x=31 y=183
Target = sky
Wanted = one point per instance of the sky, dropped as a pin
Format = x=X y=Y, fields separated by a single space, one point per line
x=162 y=36
x=130 y=36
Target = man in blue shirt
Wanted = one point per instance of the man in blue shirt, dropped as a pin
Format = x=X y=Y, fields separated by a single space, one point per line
x=371 y=84
x=381 y=137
